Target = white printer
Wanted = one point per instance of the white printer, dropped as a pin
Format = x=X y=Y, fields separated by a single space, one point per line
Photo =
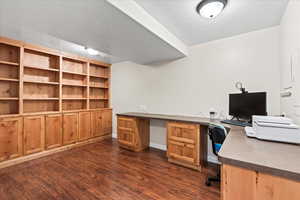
x=280 y=129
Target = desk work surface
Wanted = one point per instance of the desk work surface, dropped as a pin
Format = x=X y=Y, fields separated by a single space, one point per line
x=181 y=118
x=274 y=158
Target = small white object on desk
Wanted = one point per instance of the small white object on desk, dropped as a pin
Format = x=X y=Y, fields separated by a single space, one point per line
x=280 y=129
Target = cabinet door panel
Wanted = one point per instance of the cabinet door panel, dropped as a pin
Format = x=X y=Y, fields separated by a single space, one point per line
x=11 y=138
x=181 y=151
x=106 y=123
x=276 y=188
x=70 y=128
x=34 y=134
x=238 y=183
x=126 y=137
x=53 y=131
x=182 y=132
x=84 y=126
x=96 y=118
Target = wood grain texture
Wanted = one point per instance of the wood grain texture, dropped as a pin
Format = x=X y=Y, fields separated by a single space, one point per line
x=34 y=134
x=103 y=171
x=240 y=183
x=84 y=126
x=11 y=138
x=133 y=133
x=53 y=131
x=183 y=140
x=70 y=128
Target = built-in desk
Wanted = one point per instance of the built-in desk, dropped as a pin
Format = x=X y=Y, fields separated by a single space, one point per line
x=259 y=170
x=186 y=136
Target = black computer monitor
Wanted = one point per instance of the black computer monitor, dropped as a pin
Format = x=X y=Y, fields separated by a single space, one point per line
x=243 y=106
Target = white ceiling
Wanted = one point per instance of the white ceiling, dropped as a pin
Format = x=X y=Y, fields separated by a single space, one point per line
x=94 y=23
x=240 y=16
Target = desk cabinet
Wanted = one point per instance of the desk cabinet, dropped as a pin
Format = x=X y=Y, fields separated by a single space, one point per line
x=239 y=183
x=133 y=133
x=183 y=142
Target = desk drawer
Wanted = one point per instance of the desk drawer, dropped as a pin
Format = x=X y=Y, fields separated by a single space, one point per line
x=126 y=122
x=182 y=152
x=126 y=137
x=183 y=132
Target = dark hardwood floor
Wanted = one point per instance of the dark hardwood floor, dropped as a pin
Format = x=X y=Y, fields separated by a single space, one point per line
x=103 y=171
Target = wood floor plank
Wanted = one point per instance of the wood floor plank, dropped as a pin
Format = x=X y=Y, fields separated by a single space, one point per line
x=104 y=171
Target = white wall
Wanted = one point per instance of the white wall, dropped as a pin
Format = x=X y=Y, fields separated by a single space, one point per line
x=289 y=46
x=203 y=80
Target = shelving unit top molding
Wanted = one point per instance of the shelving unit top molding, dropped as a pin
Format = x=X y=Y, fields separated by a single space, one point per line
x=39 y=80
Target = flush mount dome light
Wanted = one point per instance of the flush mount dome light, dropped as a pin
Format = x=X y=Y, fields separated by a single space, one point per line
x=92 y=52
x=211 y=8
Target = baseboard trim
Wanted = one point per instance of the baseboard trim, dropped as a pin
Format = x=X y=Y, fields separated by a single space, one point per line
x=23 y=159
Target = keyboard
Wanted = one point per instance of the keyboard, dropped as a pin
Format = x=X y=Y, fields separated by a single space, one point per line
x=236 y=123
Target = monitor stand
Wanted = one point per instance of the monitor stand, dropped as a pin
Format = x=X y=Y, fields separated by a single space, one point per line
x=237 y=122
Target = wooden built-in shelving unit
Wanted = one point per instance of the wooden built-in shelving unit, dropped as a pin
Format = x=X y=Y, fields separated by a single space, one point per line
x=38 y=80
x=49 y=101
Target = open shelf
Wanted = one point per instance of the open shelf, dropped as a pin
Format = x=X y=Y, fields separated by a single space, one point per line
x=73 y=79
x=95 y=104
x=74 y=105
x=74 y=67
x=70 y=92
x=9 y=89
x=9 y=72
x=95 y=76
x=38 y=106
x=96 y=82
x=9 y=79
x=9 y=98
x=72 y=85
x=9 y=63
x=103 y=87
x=37 y=75
x=41 y=82
x=42 y=99
x=9 y=54
x=98 y=93
x=40 y=91
x=75 y=73
x=9 y=107
x=38 y=68
x=99 y=71
x=39 y=60
x=74 y=98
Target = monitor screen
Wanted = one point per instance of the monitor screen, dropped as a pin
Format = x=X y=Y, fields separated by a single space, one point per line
x=247 y=104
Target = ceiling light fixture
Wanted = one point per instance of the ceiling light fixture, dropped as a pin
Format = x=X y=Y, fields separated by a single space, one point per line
x=92 y=52
x=211 y=8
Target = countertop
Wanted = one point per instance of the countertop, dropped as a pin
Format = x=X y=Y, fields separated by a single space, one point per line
x=274 y=158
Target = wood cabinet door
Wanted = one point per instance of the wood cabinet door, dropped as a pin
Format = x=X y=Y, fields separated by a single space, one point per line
x=34 y=134
x=84 y=126
x=96 y=119
x=126 y=131
x=182 y=152
x=53 y=131
x=11 y=138
x=106 y=122
x=183 y=142
x=70 y=128
x=238 y=183
x=276 y=188
x=183 y=132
